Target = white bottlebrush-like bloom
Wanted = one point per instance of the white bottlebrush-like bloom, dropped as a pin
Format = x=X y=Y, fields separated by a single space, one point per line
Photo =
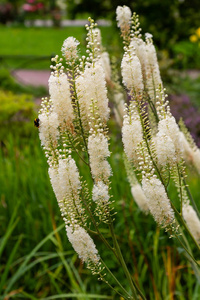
x=192 y=220
x=123 y=17
x=119 y=107
x=153 y=79
x=61 y=4
x=91 y=84
x=83 y=244
x=132 y=72
x=69 y=178
x=105 y=61
x=139 y=47
x=139 y=197
x=191 y=153
x=157 y=200
x=100 y=193
x=165 y=150
x=55 y=182
x=95 y=37
x=196 y=159
x=98 y=152
x=169 y=127
x=59 y=90
x=69 y=48
x=132 y=135
x=66 y=184
x=188 y=151
x=48 y=130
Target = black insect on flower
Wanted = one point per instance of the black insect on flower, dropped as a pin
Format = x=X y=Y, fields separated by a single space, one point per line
x=37 y=123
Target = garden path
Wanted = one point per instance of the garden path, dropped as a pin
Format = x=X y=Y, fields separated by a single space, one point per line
x=32 y=77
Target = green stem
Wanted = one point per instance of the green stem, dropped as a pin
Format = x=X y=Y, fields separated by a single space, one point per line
x=72 y=144
x=195 y=267
x=185 y=225
x=186 y=250
x=78 y=109
x=133 y=286
x=127 y=294
x=146 y=141
x=180 y=188
x=97 y=229
x=152 y=106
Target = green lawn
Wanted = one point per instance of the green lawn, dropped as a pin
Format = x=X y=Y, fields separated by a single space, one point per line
x=43 y=42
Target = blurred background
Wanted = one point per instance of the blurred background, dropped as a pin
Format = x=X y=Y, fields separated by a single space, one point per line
x=36 y=263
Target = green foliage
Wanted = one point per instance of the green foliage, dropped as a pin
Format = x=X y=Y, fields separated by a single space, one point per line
x=16 y=113
x=187 y=55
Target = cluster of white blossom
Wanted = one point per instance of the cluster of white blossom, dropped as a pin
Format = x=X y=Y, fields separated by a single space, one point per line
x=48 y=129
x=59 y=90
x=83 y=244
x=98 y=152
x=119 y=108
x=132 y=73
x=91 y=85
x=191 y=152
x=140 y=198
x=139 y=47
x=123 y=18
x=100 y=193
x=192 y=220
x=140 y=72
x=132 y=134
x=66 y=184
x=168 y=142
x=69 y=48
x=153 y=79
x=157 y=200
x=139 y=65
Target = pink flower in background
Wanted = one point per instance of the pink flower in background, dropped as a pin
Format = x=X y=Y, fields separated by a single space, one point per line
x=29 y=8
x=32 y=6
x=40 y=5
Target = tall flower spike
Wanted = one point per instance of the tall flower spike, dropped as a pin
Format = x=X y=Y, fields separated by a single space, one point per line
x=140 y=198
x=59 y=90
x=153 y=79
x=196 y=159
x=139 y=47
x=168 y=127
x=157 y=200
x=192 y=220
x=119 y=108
x=165 y=149
x=69 y=49
x=67 y=186
x=123 y=16
x=91 y=84
x=83 y=244
x=132 y=72
x=132 y=134
x=48 y=130
x=94 y=36
x=98 y=152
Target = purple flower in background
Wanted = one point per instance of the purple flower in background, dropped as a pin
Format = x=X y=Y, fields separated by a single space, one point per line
x=181 y=107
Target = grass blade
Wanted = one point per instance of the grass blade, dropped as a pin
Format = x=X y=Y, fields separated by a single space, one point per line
x=22 y=269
